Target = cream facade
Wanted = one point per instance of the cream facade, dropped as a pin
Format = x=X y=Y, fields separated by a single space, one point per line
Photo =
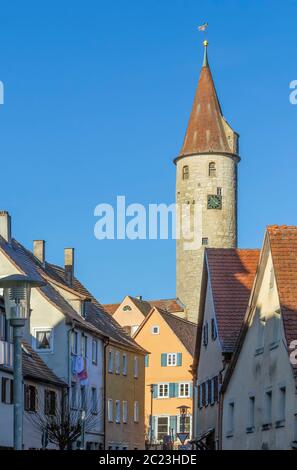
x=260 y=401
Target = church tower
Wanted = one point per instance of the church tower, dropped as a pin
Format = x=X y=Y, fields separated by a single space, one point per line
x=206 y=181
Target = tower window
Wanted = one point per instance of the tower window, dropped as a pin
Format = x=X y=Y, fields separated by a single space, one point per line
x=212 y=171
x=219 y=191
x=205 y=241
x=185 y=172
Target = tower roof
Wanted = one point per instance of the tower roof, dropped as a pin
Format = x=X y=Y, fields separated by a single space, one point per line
x=207 y=129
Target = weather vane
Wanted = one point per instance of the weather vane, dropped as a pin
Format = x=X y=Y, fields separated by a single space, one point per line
x=203 y=27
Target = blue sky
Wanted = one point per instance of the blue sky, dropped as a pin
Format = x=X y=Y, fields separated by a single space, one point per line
x=97 y=98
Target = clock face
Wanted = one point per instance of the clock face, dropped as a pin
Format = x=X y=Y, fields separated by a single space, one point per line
x=214 y=201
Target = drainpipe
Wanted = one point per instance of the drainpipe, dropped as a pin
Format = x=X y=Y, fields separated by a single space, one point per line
x=106 y=343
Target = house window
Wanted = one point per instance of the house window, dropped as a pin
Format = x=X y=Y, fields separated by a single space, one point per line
x=117 y=362
x=230 y=429
x=125 y=411
x=7 y=391
x=205 y=334
x=94 y=406
x=204 y=241
x=83 y=398
x=74 y=396
x=162 y=427
x=212 y=169
x=171 y=359
x=213 y=330
x=118 y=411
x=186 y=172
x=268 y=407
x=30 y=398
x=282 y=405
x=49 y=402
x=271 y=280
x=206 y=393
x=110 y=361
x=184 y=390
x=276 y=328
x=251 y=414
x=155 y=330
x=43 y=340
x=74 y=342
x=110 y=411
x=163 y=390
x=212 y=391
x=261 y=331
x=94 y=351
x=127 y=308
x=124 y=364
x=84 y=345
x=136 y=412
x=135 y=367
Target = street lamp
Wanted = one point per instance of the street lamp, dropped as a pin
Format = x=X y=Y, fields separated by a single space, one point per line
x=183 y=410
x=151 y=415
x=16 y=292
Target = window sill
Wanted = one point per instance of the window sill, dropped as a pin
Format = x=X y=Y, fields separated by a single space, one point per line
x=266 y=427
x=280 y=423
x=229 y=434
x=259 y=351
x=250 y=429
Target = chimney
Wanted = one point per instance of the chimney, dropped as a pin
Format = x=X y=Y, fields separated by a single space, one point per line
x=5 y=226
x=69 y=265
x=39 y=250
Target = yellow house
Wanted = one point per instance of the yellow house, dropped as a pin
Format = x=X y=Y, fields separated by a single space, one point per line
x=131 y=312
x=170 y=341
x=124 y=417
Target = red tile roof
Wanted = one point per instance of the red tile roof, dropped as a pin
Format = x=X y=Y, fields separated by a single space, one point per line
x=232 y=273
x=283 y=244
x=206 y=131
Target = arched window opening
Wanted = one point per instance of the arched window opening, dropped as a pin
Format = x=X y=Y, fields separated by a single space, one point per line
x=212 y=171
x=185 y=172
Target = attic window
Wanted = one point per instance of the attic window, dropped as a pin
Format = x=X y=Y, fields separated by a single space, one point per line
x=155 y=330
x=185 y=172
x=127 y=308
x=212 y=169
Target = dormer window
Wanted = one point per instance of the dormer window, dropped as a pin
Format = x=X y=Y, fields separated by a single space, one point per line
x=212 y=171
x=185 y=172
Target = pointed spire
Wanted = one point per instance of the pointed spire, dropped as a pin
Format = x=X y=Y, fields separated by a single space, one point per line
x=207 y=129
x=205 y=58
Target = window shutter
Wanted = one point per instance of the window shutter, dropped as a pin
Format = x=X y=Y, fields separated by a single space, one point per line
x=26 y=397
x=216 y=389
x=191 y=389
x=203 y=394
x=163 y=359
x=3 y=390
x=146 y=361
x=155 y=393
x=154 y=424
x=199 y=396
x=179 y=359
x=209 y=391
x=11 y=391
x=176 y=389
x=172 y=390
x=173 y=426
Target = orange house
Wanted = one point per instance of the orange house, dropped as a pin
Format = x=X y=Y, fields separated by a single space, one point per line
x=170 y=341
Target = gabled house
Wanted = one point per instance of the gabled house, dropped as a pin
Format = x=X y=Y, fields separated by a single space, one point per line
x=170 y=341
x=226 y=284
x=259 y=389
x=72 y=333
x=131 y=312
x=43 y=390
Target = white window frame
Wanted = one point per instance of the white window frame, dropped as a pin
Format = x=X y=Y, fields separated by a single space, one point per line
x=136 y=371
x=118 y=411
x=136 y=412
x=125 y=412
x=179 y=389
x=157 y=425
x=94 y=349
x=110 y=410
x=38 y=330
x=173 y=362
x=125 y=363
x=157 y=328
x=117 y=362
x=110 y=361
x=163 y=384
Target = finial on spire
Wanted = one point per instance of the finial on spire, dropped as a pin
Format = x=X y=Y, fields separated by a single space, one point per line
x=205 y=58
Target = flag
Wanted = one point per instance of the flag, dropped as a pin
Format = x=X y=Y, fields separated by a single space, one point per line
x=202 y=27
